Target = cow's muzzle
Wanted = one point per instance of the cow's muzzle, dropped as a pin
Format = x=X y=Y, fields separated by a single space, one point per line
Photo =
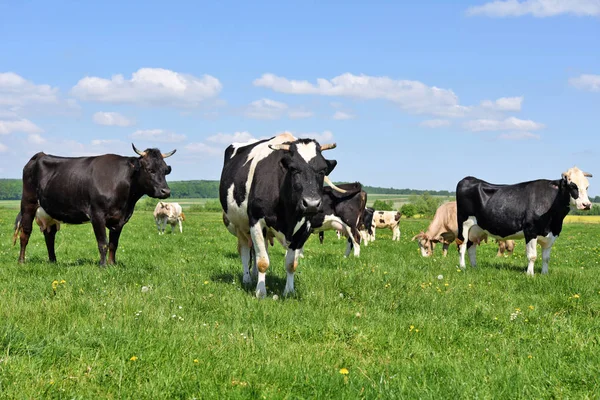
x=586 y=206
x=310 y=206
x=164 y=193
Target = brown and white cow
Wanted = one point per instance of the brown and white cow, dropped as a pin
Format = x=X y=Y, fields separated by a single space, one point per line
x=444 y=229
x=168 y=213
x=387 y=219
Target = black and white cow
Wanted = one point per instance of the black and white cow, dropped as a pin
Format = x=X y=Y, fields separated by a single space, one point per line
x=533 y=210
x=343 y=212
x=273 y=186
x=367 y=230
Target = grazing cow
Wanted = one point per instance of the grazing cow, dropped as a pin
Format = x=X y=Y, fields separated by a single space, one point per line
x=342 y=211
x=101 y=189
x=367 y=230
x=273 y=186
x=533 y=210
x=444 y=229
x=168 y=213
x=387 y=219
x=42 y=219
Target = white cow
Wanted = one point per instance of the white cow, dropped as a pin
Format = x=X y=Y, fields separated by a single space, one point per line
x=170 y=213
x=387 y=219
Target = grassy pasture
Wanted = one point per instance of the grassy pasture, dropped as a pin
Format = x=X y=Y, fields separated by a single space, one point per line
x=172 y=319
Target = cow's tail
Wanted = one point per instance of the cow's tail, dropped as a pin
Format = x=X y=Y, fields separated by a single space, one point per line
x=182 y=216
x=17 y=229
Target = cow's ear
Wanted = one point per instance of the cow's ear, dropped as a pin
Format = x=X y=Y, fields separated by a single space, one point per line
x=285 y=161
x=168 y=170
x=565 y=177
x=135 y=164
x=330 y=166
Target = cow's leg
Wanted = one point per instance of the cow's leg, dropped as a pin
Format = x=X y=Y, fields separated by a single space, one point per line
x=472 y=250
x=546 y=244
x=531 y=249
x=100 y=232
x=157 y=221
x=262 y=258
x=291 y=263
x=396 y=233
x=172 y=228
x=244 y=251
x=445 y=248
x=180 y=226
x=113 y=243
x=49 y=236
x=321 y=236
x=463 y=247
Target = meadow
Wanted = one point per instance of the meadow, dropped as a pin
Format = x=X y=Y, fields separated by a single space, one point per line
x=172 y=319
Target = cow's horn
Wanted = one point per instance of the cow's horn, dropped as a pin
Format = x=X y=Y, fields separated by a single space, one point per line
x=283 y=146
x=587 y=174
x=169 y=154
x=141 y=153
x=328 y=181
x=328 y=146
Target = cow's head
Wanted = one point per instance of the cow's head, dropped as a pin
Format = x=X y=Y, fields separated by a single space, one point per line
x=306 y=170
x=152 y=172
x=426 y=245
x=577 y=184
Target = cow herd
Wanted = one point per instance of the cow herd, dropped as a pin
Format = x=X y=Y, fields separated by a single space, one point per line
x=274 y=189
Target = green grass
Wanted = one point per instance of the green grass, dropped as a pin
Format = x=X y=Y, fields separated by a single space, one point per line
x=386 y=317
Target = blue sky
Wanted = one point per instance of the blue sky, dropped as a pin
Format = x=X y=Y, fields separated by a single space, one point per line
x=415 y=94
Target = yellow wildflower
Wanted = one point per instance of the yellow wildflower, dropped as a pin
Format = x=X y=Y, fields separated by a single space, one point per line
x=531 y=307
x=62 y=281
x=206 y=282
x=344 y=371
x=576 y=296
x=196 y=361
x=133 y=358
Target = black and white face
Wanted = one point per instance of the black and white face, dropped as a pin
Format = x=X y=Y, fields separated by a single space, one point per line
x=578 y=188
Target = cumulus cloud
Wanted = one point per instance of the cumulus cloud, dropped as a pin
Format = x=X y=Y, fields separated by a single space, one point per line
x=519 y=136
x=202 y=148
x=266 y=109
x=35 y=138
x=435 y=123
x=412 y=96
x=227 y=139
x=322 y=138
x=586 y=82
x=298 y=114
x=504 y=104
x=508 y=124
x=111 y=119
x=19 y=125
x=536 y=8
x=340 y=115
x=157 y=135
x=3 y=148
x=149 y=86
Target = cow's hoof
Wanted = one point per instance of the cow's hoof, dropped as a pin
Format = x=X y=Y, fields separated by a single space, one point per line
x=261 y=291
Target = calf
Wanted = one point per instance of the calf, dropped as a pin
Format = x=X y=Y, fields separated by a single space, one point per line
x=532 y=210
x=367 y=230
x=387 y=219
x=444 y=228
x=168 y=213
x=342 y=212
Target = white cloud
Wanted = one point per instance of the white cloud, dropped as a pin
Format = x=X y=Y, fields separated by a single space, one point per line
x=35 y=138
x=435 y=123
x=111 y=119
x=340 y=115
x=157 y=135
x=227 y=139
x=149 y=86
x=508 y=124
x=102 y=142
x=20 y=125
x=322 y=138
x=3 y=148
x=537 y=8
x=298 y=114
x=266 y=109
x=518 y=136
x=202 y=148
x=411 y=96
x=586 y=82
x=504 y=104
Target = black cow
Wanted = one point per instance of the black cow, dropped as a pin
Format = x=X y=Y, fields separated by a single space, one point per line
x=533 y=210
x=367 y=229
x=101 y=189
x=273 y=187
x=342 y=212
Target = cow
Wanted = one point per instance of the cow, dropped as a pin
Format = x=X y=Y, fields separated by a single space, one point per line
x=532 y=210
x=505 y=246
x=444 y=229
x=168 y=213
x=387 y=219
x=367 y=230
x=342 y=211
x=101 y=189
x=322 y=235
x=42 y=219
x=273 y=186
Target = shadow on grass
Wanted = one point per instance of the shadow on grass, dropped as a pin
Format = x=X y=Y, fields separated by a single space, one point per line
x=506 y=265
x=275 y=284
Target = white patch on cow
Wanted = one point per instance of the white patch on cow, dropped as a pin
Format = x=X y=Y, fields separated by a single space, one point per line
x=307 y=151
x=299 y=225
x=531 y=249
x=291 y=258
x=387 y=219
x=469 y=222
x=576 y=176
x=546 y=242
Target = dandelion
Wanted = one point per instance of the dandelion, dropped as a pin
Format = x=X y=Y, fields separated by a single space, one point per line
x=196 y=361
x=440 y=277
x=51 y=382
x=145 y=289
x=531 y=307
x=575 y=296
x=357 y=315
x=62 y=281
x=470 y=285
x=133 y=358
x=412 y=327
x=530 y=356
x=206 y=282
x=344 y=371
x=275 y=297
x=446 y=284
